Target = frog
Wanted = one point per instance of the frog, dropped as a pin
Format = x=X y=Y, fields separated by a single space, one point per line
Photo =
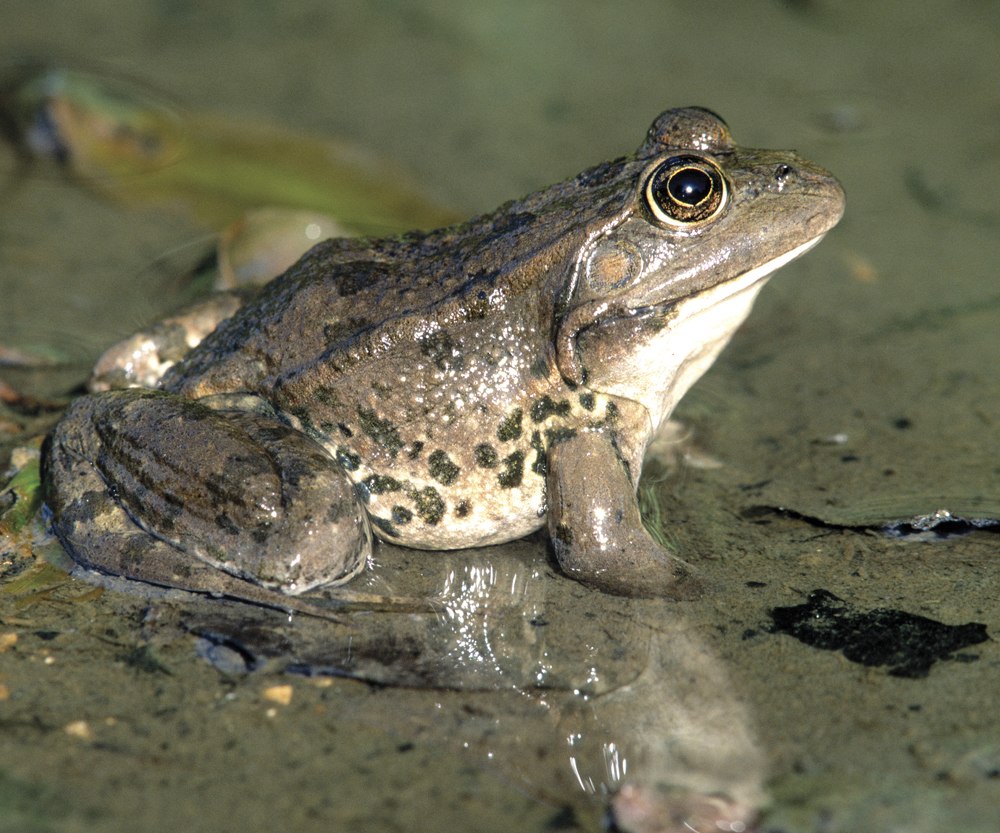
x=443 y=390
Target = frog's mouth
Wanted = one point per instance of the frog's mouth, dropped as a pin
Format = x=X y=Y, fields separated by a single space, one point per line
x=702 y=301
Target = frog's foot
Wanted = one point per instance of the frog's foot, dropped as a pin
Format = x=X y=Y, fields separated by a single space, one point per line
x=142 y=359
x=646 y=807
x=129 y=551
x=596 y=528
x=634 y=567
x=230 y=496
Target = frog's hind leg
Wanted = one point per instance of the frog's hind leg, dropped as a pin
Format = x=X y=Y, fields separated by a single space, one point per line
x=160 y=489
x=105 y=540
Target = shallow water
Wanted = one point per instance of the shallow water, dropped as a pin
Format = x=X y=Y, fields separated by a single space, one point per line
x=862 y=389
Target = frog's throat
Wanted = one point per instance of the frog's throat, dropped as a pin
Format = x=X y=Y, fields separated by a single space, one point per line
x=693 y=305
x=660 y=372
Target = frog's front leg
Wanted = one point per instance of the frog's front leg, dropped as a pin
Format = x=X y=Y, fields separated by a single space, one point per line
x=595 y=525
x=232 y=491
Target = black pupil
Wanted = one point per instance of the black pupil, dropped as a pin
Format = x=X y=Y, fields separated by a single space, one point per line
x=689 y=186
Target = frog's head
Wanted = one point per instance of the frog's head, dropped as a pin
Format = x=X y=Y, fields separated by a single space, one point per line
x=655 y=293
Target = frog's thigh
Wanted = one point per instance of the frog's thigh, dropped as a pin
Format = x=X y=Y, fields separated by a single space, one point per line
x=596 y=528
x=239 y=492
x=99 y=533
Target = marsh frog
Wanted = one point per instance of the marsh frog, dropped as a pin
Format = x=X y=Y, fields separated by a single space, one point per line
x=444 y=390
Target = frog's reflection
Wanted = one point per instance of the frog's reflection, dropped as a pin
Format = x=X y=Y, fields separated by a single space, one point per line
x=578 y=698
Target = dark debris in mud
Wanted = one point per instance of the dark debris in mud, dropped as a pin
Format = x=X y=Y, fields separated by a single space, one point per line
x=940 y=525
x=909 y=644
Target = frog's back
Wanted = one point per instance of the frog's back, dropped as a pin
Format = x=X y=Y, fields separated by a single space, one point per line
x=340 y=298
x=349 y=302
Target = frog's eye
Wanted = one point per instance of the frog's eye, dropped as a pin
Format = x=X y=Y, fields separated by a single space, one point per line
x=686 y=191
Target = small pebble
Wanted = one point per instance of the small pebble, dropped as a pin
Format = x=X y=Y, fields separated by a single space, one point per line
x=79 y=729
x=281 y=694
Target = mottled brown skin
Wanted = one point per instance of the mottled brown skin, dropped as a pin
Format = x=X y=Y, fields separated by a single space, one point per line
x=456 y=388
